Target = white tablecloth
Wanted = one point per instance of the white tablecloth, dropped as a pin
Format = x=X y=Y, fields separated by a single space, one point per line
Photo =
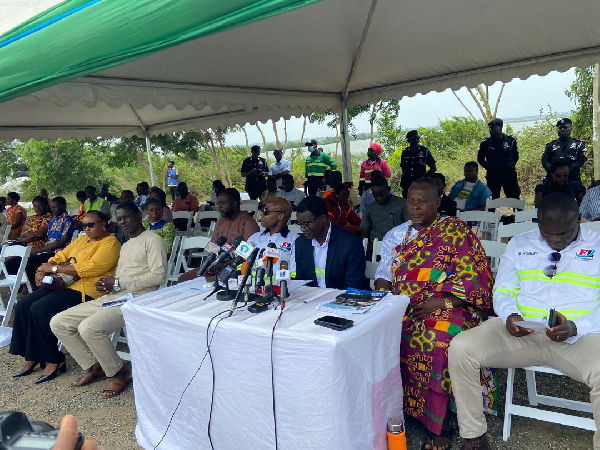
x=333 y=389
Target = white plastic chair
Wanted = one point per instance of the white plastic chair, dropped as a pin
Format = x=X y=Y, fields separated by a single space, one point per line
x=513 y=203
x=493 y=250
x=506 y=231
x=184 y=215
x=250 y=207
x=510 y=409
x=293 y=217
x=6 y=233
x=171 y=262
x=525 y=216
x=75 y=235
x=591 y=225
x=295 y=228
x=188 y=243
x=488 y=222
x=13 y=282
x=370 y=270
x=375 y=257
x=73 y=212
x=365 y=244
x=202 y=215
x=121 y=337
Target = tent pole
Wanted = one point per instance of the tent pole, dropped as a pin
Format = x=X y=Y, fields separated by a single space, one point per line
x=346 y=155
x=149 y=152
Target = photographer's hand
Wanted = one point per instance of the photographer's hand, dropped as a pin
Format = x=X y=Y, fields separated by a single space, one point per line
x=68 y=435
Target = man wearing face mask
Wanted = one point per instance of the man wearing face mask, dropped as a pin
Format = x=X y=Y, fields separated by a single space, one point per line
x=317 y=164
x=553 y=267
x=565 y=148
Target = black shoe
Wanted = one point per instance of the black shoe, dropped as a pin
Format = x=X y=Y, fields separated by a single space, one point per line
x=62 y=368
x=24 y=373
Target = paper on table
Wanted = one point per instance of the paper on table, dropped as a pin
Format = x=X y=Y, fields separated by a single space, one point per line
x=538 y=327
x=118 y=301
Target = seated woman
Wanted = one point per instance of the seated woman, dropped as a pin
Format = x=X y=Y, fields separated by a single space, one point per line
x=442 y=267
x=218 y=188
x=88 y=258
x=161 y=195
x=35 y=230
x=271 y=191
x=15 y=215
x=559 y=182
x=156 y=223
x=340 y=211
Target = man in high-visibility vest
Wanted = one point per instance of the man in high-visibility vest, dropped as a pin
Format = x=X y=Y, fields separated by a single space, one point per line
x=317 y=164
x=555 y=267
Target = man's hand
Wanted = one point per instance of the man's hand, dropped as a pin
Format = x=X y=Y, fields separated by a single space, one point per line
x=425 y=309
x=514 y=329
x=563 y=330
x=67 y=436
x=105 y=284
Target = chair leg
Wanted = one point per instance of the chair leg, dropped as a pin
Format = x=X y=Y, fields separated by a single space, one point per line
x=28 y=284
x=9 y=305
x=510 y=381
x=531 y=387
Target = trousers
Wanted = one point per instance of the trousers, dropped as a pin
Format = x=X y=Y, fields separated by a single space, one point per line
x=506 y=179
x=491 y=345
x=85 y=332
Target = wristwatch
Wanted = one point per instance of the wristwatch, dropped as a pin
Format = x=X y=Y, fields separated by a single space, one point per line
x=448 y=303
x=116 y=287
x=54 y=269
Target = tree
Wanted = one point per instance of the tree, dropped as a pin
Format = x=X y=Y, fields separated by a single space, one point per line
x=481 y=96
x=391 y=135
x=581 y=92
x=9 y=158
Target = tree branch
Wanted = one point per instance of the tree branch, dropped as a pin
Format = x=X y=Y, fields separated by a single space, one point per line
x=498 y=99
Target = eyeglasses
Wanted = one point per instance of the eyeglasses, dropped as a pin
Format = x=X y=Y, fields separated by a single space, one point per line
x=307 y=224
x=266 y=212
x=90 y=224
x=550 y=270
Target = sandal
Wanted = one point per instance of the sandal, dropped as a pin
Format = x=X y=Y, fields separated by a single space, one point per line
x=115 y=387
x=89 y=378
x=446 y=434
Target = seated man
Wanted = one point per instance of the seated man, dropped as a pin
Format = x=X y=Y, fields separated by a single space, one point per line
x=340 y=211
x=186 y=202
x=85 y=329
x=558 y=259
x=440 y=265
x=470 y=194
x=326 y=254
x=95 y=203
x=270 y=191
x=333 y=179
x=275 y=216
x=447 y=205
x=366 y=197
x=386 y=212
x=289 y=192
x=590 y=205
x=233 y=221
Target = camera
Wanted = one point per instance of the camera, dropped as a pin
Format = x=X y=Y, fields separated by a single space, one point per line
x=18 y=433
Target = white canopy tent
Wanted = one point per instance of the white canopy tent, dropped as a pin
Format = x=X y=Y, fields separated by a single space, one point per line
x=332 y=54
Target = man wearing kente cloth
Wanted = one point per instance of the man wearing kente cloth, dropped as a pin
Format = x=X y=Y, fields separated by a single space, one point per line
x=439 y=263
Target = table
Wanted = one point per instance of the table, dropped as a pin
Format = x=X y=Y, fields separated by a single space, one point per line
x=333 y=389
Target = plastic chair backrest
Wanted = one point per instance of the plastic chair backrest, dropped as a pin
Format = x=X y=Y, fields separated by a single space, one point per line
x=514 y=203
x=525 y=216
x=513 y=229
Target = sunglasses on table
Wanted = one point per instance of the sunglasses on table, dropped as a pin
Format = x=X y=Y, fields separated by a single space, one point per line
x=554 y=258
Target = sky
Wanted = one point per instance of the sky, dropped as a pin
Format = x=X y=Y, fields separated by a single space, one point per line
x=520 y=98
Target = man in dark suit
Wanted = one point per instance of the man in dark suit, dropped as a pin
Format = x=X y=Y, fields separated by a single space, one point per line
x=325 y=253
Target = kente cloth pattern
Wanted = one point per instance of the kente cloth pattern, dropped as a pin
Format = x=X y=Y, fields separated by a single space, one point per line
x=443 y=259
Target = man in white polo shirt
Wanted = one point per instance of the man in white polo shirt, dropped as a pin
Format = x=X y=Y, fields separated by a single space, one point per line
x=555 y=267
x=280 y=167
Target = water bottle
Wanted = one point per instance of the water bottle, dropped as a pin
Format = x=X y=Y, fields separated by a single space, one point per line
x=396 y=434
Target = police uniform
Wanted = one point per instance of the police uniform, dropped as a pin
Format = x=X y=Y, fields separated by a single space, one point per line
x=499 y=158
x=255 y=184
x=414 y=166
x=570 y=150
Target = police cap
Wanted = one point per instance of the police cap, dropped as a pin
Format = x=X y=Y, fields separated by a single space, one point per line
x=565 y=121
x=411 y=134
x=495 y=122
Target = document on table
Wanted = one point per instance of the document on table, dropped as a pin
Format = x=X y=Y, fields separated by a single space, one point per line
x=118 y=301
x=353 y=301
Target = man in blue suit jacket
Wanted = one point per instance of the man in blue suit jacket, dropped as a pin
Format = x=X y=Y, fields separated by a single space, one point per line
x=325 y=253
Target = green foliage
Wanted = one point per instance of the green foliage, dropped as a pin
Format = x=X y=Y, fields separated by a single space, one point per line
x=390 y=135
x=9 y=158
x=581 y=91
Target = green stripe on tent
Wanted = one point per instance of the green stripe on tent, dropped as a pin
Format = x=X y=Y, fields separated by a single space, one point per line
x=114 y=32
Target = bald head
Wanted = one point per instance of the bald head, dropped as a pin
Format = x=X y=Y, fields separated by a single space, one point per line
x=280 y=204
x=276 y=214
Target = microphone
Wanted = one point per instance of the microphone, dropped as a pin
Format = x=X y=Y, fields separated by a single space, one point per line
x=213 y=249
x=251 y=260
x=283 y=276
x=270 y=258
x=243 y=251
x=227 y=251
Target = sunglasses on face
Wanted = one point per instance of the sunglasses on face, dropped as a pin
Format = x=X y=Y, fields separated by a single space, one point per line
x=90 y=224
x=554 y=258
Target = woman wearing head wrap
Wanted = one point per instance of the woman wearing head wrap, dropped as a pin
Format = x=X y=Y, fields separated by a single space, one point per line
x=373 y=162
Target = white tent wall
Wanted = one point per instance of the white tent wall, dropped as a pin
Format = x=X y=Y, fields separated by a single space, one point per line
x=313 y=59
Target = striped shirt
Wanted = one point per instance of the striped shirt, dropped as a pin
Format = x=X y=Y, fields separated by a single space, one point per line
x=590 y=205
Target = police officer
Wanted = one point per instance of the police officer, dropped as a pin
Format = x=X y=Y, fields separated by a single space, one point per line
x=565 y=148
x=499 y=154
x=414 y=161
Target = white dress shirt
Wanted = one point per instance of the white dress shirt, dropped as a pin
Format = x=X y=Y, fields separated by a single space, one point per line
x=320 y=254
x=278 y=167
x=391 y=240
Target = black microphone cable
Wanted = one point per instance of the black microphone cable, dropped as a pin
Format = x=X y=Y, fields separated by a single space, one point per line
x=273 y=376
x=194 y=376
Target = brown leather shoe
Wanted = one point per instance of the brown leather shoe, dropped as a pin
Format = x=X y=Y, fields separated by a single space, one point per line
x=478 y=443
x=94 y=373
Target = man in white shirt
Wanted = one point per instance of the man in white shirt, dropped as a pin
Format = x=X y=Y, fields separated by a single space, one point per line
x=280 y=167
x=554 y=267
x=275 y=217
x=289 y=192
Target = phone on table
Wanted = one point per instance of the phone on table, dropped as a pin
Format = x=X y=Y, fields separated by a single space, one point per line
x=335 y=323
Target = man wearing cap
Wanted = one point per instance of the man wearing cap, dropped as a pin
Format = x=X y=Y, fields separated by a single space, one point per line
x=254 y=170
x=498 y=155
x=414 y=161
x=316 y=164
x=565 y=148
x=280 y=167
x=373 y=162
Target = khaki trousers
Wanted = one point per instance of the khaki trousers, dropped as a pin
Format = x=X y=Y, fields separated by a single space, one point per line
x=85 y=331
x=490 y=345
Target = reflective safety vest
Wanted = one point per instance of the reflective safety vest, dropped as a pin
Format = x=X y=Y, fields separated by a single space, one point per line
x=316 y=166
x=527 y=283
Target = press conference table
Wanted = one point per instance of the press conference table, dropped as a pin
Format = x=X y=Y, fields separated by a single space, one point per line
x=333 y=389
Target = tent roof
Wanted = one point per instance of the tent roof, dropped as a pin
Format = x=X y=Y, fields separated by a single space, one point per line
x=119 y=67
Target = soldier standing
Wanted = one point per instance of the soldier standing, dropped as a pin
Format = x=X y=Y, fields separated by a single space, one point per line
x=499 y=154
x=414 y=161
x=565 y=148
